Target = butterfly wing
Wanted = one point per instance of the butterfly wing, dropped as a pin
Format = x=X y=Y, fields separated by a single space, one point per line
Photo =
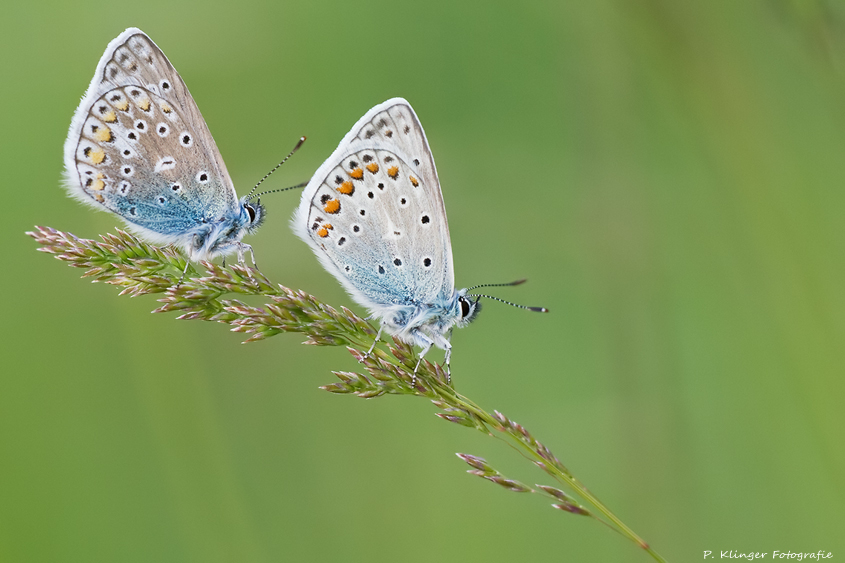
x=139 y=147
x=373 y=213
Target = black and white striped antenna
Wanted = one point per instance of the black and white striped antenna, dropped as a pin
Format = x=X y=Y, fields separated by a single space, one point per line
x=517 y=282
x=249 y=196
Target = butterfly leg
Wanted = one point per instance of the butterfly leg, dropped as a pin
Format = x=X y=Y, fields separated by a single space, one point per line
x=426 y=344
x=252 y=256
x=184 y=272
x=446 y=361
x=242 y=249
x=370 y=351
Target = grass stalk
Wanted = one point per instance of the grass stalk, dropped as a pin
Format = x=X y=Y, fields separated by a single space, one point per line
x=209 y=292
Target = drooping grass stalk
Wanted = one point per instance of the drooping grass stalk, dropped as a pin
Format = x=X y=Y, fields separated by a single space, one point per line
x=138 y=268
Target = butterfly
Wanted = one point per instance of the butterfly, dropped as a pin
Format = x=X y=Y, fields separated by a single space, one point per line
x=373 y=214
x=139 y=148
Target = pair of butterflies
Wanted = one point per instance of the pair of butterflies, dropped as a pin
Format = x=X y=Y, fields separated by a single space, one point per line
x=373 y=212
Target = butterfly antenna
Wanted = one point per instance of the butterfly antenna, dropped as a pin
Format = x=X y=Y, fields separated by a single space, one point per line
x=302 y=185
x=290 y=154
x=535 y=309
x=517 y=282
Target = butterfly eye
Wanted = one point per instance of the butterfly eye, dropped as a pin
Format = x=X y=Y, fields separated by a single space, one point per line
x=465 y=307
x=251 y=212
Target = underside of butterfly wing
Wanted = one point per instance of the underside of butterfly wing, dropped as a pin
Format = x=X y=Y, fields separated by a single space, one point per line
x=374 y=214
x=138 y=147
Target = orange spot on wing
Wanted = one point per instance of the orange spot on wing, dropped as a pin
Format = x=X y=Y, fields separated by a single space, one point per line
x=346 y=188
x=357 y=173
x=98 y=185
x=110 y=117
x=324 y=230
x=104 y=135
x=144 y=104
x=414 y=181
x=122 y=105
x=372 y=167
x=332 y=206
x=97 y=156
x=99 y=198
x=165 y=108
x=393 y=172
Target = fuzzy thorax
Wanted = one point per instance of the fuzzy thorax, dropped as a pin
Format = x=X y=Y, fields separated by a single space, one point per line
x=425 y=324
x=222 y=236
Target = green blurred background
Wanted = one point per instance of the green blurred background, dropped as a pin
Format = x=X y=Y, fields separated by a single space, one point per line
x=669 y=176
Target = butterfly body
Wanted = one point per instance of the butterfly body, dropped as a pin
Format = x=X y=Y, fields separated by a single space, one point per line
x=373 y=214
x=139 y=148
x=429 y=324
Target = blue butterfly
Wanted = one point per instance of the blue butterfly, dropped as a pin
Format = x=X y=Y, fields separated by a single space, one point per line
x=139 y=147
x=373 y=214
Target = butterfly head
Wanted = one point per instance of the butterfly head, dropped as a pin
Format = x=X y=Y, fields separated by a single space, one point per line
x=468 y=308
x=252 y=214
